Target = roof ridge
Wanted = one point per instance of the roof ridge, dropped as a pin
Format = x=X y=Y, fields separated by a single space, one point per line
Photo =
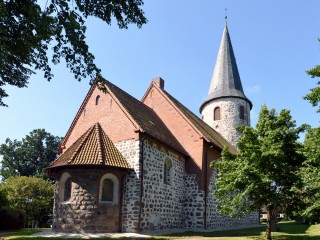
x=142 y=115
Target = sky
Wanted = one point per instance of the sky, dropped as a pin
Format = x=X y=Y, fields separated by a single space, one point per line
x=274 y=42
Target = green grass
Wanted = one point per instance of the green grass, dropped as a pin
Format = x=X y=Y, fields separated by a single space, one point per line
x=286 y=230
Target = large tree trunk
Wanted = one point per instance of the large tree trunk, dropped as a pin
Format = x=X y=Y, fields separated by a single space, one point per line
x=271 y=221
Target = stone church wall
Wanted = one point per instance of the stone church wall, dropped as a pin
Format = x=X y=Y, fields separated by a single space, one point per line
x=130 y=149
x=216 y=221
x=194 y=203
x=83 y=212
x=163 y=204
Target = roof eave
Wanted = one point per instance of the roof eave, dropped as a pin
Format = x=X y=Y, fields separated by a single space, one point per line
x=212 y=99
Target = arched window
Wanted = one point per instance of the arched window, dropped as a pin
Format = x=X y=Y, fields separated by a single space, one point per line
x=109 y=185
x=107 y=190
x=241 y=112
x=167 y=172
x=216 y=113
x=98 y=100
x=65 y=187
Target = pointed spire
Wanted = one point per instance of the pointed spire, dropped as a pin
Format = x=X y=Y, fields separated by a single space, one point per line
x=226 y=80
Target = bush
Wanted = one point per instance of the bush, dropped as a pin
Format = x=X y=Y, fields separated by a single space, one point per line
x=11 y=219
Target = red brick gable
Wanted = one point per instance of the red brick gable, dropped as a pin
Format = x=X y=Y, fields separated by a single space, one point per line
x=189 y=129
x=182 y=129
x=109 y=113
x=121 y=116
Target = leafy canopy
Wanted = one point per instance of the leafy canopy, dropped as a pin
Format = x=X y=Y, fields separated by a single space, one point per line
x=29 y=27
x=264 y=170
x=31 y=195
x=311 y=174
x=29 y=156
x=314 y=96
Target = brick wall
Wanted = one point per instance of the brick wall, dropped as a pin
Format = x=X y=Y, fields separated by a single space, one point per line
x=188 y=137
x=108 y=113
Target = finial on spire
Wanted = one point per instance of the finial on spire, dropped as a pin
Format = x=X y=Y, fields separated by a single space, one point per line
x=226 y=15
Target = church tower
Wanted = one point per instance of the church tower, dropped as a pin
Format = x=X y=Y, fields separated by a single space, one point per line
x=226 y=105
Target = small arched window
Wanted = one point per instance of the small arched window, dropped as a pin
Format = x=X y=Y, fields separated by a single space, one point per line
x=167 y=173
x=216 y=114
x=66 y=187
x=109 y=186
x=98 y=100
x=241 y=112
x=107 y=190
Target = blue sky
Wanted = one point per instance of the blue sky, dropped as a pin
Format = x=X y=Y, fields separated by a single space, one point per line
x=274 y=43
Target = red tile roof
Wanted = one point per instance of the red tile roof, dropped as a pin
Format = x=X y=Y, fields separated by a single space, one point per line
x=93 y=148
x=148 y=121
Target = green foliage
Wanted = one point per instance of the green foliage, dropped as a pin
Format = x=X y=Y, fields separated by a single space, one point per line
x=11 y=219
x=3 y=199
x=30 y=156
x=28 y=27
x=264 y=171
x=31 y=195
x=314 y=96
x=311 y=175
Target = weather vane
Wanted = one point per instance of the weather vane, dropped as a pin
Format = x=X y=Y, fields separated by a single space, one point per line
x=225 y=15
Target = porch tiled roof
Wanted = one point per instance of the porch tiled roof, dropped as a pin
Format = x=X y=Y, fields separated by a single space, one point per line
x=93 y=148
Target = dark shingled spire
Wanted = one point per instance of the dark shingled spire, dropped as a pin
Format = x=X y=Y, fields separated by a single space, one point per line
x=226 y=80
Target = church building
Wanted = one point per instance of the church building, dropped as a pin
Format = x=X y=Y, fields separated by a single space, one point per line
x=128 y=165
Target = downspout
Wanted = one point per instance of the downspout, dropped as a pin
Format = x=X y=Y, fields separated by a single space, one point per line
x=206 y=187
x=141 y=183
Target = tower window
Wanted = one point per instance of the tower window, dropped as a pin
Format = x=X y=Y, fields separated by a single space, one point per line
x=98 y=100
x=216 y=114
x=241 y=112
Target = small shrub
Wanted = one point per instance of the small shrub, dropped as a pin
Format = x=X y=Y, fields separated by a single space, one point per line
x=11 y=219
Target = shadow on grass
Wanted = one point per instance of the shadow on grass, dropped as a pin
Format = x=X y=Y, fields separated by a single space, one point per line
x=293 y=227
x=295 y=237
x=228 y=233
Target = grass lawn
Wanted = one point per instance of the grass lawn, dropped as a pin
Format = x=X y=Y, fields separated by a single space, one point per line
x=286 y=230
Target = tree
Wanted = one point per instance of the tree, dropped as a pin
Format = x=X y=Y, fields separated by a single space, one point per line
x=311 y=174
x=314 y=96
x=27 y=28
x=30 y=156
x=32 y=195
x=264 y=170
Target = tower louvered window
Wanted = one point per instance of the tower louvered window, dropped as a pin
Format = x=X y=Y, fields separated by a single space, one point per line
x=216 y=114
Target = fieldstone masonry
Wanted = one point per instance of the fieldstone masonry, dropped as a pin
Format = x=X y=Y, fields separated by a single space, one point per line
x=230 y=117
x=177 y=205
x=83 y=212
x=217 y=221
x=193 y=203
x=130 y=149
x=162 y=203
